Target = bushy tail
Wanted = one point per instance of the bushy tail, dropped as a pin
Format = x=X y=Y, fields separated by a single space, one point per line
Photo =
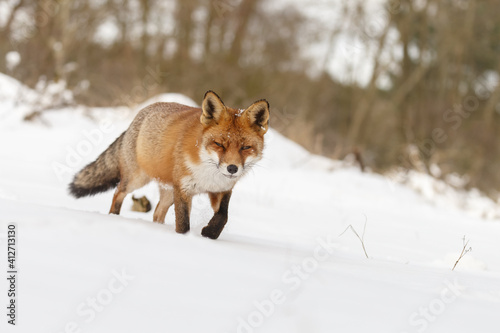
x=100 y=175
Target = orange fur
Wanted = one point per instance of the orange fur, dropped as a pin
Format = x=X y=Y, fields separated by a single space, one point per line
x=188 y=151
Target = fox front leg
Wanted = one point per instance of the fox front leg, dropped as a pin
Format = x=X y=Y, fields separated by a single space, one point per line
x=182 y=202
x=220 y=204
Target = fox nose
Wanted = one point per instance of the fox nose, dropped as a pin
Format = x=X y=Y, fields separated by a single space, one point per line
x=232 y=169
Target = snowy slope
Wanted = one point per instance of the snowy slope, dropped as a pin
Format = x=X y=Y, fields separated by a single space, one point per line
x=279 y=265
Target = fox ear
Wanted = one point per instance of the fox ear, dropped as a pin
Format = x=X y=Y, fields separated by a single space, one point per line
x=258 y=115
x=212 y=108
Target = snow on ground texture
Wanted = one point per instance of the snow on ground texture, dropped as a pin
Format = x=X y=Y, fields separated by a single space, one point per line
x=279 y=265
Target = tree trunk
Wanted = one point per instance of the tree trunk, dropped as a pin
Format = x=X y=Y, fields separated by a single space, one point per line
x=245 y=12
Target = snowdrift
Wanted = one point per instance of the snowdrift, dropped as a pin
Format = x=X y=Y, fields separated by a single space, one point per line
x=280 y=265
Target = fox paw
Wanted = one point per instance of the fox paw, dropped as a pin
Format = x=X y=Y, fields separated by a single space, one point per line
x=210 y=232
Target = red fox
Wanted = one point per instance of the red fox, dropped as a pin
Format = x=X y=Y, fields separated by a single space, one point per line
x=188 y=151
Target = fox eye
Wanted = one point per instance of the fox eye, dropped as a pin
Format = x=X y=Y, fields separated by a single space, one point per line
x=218 y=144
x=245 y=147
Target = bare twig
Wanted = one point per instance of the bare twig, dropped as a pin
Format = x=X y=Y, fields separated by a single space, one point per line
x=362 y=238
x=465 y=250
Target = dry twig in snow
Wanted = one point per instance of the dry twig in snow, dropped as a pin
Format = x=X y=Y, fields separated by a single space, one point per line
x=361 y=239
x=465 y=250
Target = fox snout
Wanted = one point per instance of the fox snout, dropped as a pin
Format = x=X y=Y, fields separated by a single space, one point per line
x=231 y=170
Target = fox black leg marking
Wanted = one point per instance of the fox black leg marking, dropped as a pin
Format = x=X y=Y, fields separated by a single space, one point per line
x=219 y=220
x=182 y=204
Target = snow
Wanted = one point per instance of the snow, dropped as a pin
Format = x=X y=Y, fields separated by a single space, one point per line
x=168 y=97
x=449 y=194
x=280 y=264
x=12 y=59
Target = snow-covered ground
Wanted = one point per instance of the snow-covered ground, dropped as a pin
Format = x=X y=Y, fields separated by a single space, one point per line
x=280 y=265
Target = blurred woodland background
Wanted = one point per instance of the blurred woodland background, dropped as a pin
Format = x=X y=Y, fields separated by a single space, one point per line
x=427 y=97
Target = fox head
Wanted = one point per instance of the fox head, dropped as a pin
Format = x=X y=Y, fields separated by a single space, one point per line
x=233 y=140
